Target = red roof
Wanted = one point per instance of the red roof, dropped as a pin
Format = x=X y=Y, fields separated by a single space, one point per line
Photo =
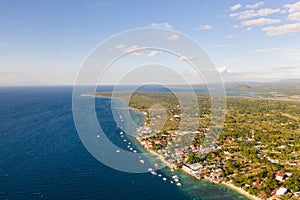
x=279 y=174
x=273 y=192
x=157 y=141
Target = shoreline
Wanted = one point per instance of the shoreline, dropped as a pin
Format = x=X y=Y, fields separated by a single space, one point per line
x=161 y=158
x=224 y=184
x=240 y=190
x=169 y=165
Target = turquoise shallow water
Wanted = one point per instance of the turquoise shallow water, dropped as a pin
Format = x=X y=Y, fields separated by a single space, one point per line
x=42 y=156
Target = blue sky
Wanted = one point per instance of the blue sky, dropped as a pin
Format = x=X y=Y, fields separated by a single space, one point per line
x=45 y=42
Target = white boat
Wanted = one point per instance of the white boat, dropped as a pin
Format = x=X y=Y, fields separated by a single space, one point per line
x=142 y=161
x=150 y=169
x=135 y=151
x=178 y=184
x=118 y=151
x=159 y=175
x=171 y=182
x=175 y=177
x=164 y=179
x=153 y=173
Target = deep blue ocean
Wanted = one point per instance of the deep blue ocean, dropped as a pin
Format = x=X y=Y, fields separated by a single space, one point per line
x=42 y=157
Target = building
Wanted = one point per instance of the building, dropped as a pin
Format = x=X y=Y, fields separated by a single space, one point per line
x=281 y=191
x=279 y=177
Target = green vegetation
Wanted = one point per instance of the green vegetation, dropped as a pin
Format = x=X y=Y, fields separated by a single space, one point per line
x=260 y=139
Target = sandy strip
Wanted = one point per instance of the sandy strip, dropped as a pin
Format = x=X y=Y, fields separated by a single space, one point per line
x=240 y=190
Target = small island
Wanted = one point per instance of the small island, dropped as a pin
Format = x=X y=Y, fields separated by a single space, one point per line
x=257 y=152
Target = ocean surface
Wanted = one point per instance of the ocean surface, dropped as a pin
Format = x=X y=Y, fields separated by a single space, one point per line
x=42 y=157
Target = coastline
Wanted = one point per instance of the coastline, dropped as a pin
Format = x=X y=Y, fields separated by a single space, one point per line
x=240 y=190
x=225 y=184
x=169 y=165
x=161 y=158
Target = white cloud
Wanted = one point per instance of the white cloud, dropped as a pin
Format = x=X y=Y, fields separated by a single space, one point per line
x=229 y=36
x=134 y=50
x=278 y=51
x=267 y=11
x=184 y=58
x=223 y=69
x=130 y=48
x=282 y=29
x=288 y=53
x=137 y=53
x=154 y=53
x=219 y=46
x=259 y=17
x=260 y=22
x=120 y=46
x=247 y=14
x=173 y=37
x=205 y=27
x=235 y=7
x=286 y=68
x=234 y=15
x=294 y=16
x=293 y=7
x=161 y=25
x=256 y=5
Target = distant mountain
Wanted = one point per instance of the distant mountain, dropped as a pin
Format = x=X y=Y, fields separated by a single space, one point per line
x=288 y=86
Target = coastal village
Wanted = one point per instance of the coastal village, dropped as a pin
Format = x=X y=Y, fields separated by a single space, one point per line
x=257 y=152
x=215 y=170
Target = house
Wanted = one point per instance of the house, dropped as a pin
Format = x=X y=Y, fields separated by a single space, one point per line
x=201 y=129
x=228 y=138
x=279 y=177
x=257 y=182
x=219 y=172
x=195 y=166
x=282 y=147
x=193 y=147
x=148 y=146
x=218 y=180
x=281 y=191
x=227 y=157
x=273 y=192
x=177 y=165
x=157 y=141
x=292 y=163
x=289 y=174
